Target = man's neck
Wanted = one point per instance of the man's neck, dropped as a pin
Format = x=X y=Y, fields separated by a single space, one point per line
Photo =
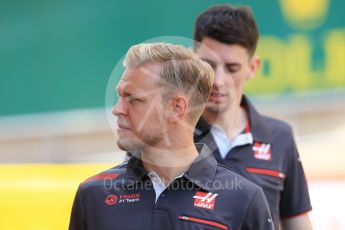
x=233 y=122
x=169 y=163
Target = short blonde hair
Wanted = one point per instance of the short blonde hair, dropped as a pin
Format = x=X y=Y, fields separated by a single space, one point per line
x=182 y=71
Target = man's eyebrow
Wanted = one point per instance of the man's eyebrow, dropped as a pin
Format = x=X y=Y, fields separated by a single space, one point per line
x=233 y=64
x=127 y=92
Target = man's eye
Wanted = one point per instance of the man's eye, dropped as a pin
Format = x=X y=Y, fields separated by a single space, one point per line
x=132 y=99
x=232 y=69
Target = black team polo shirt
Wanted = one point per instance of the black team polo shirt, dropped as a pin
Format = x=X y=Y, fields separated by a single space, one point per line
x=271 y=161
x=207 y=196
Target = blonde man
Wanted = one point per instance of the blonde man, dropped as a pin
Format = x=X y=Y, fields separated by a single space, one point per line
x=168 y=183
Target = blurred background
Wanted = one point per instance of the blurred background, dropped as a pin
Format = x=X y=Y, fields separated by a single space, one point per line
x=56 y=58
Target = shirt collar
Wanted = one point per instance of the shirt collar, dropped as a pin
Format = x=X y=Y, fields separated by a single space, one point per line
x=256 y=125
x=135 y=170
x=201 y=172
x=225 y=145
x=203 y=169
x=260 y=131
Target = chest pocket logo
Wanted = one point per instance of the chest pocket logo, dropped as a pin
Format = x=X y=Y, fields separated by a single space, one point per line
x=262 y=151
x=205 y=200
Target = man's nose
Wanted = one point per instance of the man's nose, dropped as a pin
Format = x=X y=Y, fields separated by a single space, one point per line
x=119 y=108
x=218 y=77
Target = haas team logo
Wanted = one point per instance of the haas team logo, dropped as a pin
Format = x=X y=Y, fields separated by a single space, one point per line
x=205 y=200
x=111 y=200
x=262 y=151
x=122 y=199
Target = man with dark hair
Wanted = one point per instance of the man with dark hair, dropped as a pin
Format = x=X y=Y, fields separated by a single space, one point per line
x=168 y=183
x=260 y=148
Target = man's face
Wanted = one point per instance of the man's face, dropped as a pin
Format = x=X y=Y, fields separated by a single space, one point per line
x=139 y=108
x=233 y=66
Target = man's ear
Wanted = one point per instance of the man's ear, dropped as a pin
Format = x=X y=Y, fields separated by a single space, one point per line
x=179 y=108
x=254 y=65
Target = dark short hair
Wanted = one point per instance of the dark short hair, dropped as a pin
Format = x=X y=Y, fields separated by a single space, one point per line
x=229 y=25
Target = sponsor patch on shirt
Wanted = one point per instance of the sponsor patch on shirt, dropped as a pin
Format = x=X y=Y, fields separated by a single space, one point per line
x=123 y=198
x=205 y=200
x=262 y=151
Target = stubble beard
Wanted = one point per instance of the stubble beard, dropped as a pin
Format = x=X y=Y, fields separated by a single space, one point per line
x=140 y=143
